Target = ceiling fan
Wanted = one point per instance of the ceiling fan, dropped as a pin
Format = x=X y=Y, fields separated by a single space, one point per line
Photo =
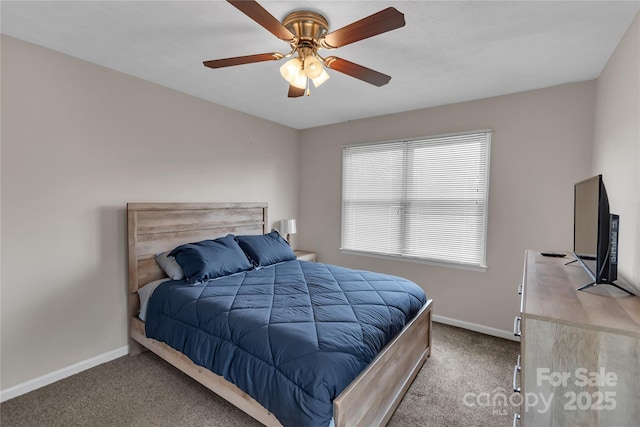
x=307 y=33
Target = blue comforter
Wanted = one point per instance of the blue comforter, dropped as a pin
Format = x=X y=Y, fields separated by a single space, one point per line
x=292 y=335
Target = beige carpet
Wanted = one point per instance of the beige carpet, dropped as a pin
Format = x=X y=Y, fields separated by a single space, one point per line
x=146 y=391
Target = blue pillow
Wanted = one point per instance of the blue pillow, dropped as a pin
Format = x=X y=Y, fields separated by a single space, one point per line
x=266 y=249
x=209 y=259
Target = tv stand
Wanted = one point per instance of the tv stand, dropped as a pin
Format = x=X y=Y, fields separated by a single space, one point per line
x=592 y=284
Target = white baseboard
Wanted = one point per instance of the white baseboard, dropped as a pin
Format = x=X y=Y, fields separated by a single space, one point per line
x=508 y=335
x=52 y=377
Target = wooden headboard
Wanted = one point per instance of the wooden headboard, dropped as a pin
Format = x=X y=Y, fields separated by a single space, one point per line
x=157 y=227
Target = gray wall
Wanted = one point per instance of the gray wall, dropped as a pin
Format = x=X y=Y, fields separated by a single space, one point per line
x=80 y=141
x=616 y=149
x=541 y=146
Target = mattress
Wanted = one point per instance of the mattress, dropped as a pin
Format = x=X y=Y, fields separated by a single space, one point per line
x=292 y=335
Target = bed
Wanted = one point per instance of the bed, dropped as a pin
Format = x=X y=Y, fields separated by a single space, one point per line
x=370 y=399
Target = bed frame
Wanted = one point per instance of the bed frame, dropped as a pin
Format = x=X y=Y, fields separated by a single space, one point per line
x=372 y=397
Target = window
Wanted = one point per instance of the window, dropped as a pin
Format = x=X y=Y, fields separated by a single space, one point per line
x=423 y=199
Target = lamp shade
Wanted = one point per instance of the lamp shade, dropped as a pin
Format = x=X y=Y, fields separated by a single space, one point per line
x=290 y=69
x=300 y=81
x=312 y=67
x=321 y=78
x=288 y=226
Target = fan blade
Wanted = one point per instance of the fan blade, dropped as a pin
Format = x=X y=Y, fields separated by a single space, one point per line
x=239 y=60
x=295 y=92
x=256 y=12
x=358 y=71
x=378 y=23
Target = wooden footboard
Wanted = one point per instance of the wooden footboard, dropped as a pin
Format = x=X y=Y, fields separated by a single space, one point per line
x=372 y=398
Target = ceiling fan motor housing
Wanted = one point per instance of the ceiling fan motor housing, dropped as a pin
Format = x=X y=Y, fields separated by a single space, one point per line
x=307 y=26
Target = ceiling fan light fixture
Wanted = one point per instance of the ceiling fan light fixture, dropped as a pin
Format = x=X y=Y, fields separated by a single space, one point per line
x=291 y=69
x=307 y=32
x=300 y=81
x=323 y=77
x=312 y=67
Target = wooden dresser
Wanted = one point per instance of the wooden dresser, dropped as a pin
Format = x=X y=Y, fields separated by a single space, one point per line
x=579 y=362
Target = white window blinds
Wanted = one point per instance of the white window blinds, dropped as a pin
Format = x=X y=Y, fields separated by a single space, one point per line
x=424 y=198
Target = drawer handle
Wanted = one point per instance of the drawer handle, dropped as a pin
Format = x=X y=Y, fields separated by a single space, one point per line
x=516 y=326
x=520 y=287
x=516 y=369
x=516 y=419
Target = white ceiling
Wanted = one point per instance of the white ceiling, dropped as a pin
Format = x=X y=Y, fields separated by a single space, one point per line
x=449 y=51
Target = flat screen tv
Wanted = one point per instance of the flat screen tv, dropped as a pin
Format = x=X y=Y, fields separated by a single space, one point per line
x=595 y=233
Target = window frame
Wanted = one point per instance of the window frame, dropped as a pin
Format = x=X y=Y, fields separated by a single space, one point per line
x=482 y=264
